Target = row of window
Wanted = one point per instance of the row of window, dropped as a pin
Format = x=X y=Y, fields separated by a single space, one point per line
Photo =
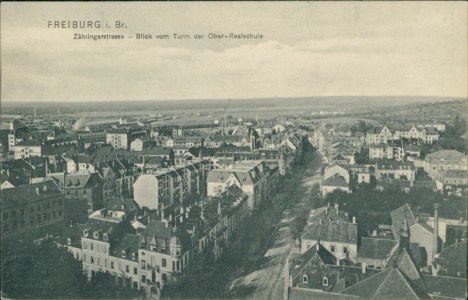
x=32 y=209
x=38 y=219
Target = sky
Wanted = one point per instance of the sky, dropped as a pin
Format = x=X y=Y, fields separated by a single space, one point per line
x=308 y=49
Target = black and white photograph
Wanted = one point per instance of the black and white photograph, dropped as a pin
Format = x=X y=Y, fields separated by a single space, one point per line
x=234 y=150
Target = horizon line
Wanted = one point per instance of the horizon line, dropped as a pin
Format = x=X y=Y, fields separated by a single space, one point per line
x=229 y=99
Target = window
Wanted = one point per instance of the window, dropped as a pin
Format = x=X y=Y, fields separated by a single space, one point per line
x=163 y=262
x=345 y=249
x=112 y=264
x=92 y=260
x=85 y=245
x=143 y=278
x=325 y=281
x=124 y=254
x=127 y=269
x=305 y=278
x=332 y=249
x=164 y=277
x=91 y=246
x=133 y=256
x=135 y=271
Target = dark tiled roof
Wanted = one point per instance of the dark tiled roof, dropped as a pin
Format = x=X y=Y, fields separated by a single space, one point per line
x=398 y=215
x=446 y=154
x=331 y=231
x=29 y=193
x=453 y=259
x=446 y=286
x=376 y=248
x=335 y=181
x=300 y=263
x=31 y=142
x=388 y=284
x=128 y=243
x=308 y=294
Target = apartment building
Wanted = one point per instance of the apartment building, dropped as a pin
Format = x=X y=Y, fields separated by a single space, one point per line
x=444 y=160
x=118 y=138
x=31 y=210
x=250 y=176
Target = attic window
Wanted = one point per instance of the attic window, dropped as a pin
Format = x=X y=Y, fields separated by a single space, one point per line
x=85 y=233
x=325 y=281
x=96 y=235
x=133 y=256
x=305 y=278
x=105 y=237
x=124 y=254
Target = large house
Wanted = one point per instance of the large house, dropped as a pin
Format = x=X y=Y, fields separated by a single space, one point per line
x=31 y=210
x=339 y=238
x=167 y=187
x=395 y=170
x=250 y=176
x=118 y=138
x=28 y=148
x=444 y=160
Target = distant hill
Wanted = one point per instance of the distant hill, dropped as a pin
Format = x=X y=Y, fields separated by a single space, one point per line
x=326 y=103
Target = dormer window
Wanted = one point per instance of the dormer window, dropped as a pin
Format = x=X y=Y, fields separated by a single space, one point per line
x=85 y=233
x=96 y=235
x=325 y=281
x=133 y=256
x=305 y=278
x=105 y=237
x=124 y=254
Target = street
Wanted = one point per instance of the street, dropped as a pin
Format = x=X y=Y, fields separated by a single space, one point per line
x=270 y=280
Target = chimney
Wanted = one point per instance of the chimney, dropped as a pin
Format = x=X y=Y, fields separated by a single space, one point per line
x=337 y=261
x=336 y=208
x=318 y=245
x=44 y=189
x=354 y=220
x=37 y=191
x=162 y=214
x=181 y=219
x=363 y=268
x=435 y=249
x=166 y=223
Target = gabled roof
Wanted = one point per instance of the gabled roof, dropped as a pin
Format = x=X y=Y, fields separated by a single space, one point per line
x=128 y=243
x=453 y=258
x=398 y=215
x=376 y=248
x=29 y=193
x=29 y=142
x=335 y=181
x=325 y=256
x=331 y=231
x=446 y=286
x=446 y=154
x=390 y=283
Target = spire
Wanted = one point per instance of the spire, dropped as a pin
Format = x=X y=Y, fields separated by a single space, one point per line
x=404 y=236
